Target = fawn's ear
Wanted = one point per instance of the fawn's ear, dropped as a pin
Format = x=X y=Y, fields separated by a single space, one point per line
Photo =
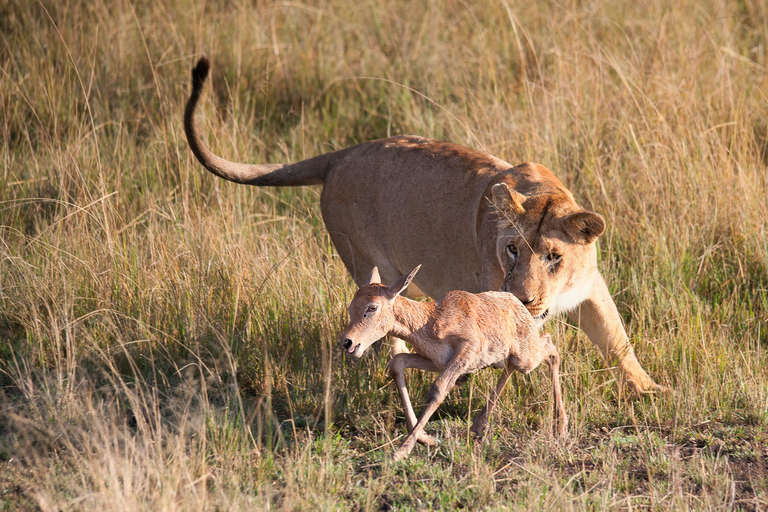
x=373 y=277
x=401 y=284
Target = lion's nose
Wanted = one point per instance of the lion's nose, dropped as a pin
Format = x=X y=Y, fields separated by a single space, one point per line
x=527 y=301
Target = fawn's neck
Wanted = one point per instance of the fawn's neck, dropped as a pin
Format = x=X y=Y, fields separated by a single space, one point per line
x=411 y=319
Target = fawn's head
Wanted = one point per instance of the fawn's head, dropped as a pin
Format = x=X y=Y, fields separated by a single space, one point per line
x=371 y=314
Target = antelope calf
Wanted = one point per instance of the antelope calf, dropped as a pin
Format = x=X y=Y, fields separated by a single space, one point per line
x=458 y=334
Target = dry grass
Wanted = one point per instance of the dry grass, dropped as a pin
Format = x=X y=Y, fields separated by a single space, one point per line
x=166 y=338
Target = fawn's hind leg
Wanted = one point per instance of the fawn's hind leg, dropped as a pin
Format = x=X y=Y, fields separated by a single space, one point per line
x=481 y=420
x=396 y=366
x=545 y=350
x=561 y=418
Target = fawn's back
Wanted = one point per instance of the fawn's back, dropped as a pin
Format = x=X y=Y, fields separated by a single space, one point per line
x=495 y=324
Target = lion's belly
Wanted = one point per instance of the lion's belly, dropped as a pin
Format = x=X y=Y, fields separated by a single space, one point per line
x=405 y=211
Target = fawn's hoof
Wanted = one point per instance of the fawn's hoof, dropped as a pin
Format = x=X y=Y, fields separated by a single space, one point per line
x=561 y=429
x=408 y=445
x=427 y=440
x=402 y=452
x=478 y=426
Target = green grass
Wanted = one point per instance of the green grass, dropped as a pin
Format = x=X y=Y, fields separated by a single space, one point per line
x=167 y=339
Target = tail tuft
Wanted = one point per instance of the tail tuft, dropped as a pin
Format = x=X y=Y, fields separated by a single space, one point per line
x=200 y=73
x=306 y=172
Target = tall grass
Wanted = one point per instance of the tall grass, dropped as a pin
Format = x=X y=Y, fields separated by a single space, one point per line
x=167 y=338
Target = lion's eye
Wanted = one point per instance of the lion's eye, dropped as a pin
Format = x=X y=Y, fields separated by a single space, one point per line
x=554 y=258
x=512 y=250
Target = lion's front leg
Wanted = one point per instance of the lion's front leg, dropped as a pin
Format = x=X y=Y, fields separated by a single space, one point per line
x=598 y=317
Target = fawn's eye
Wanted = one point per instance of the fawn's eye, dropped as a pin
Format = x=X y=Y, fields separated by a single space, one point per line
x=371 y=309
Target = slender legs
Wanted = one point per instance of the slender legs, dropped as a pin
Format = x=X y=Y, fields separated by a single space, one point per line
x=481 y=420
x=437 y=393
x=396 y=366
x=547 y=352
x=455 y=369
x=558 y=406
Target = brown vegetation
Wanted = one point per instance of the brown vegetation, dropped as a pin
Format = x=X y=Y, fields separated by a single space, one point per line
x=167 y=339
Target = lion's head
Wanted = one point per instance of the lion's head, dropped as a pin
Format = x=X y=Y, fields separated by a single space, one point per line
x=546 y=248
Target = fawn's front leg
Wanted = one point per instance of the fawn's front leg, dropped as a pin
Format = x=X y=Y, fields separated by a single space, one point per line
x=439 y=389
x=396 y=367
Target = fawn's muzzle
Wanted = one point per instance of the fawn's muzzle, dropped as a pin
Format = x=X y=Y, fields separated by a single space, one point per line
x=350 y=347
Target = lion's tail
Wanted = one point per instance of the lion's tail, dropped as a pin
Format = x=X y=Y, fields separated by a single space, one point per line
x=306 y=172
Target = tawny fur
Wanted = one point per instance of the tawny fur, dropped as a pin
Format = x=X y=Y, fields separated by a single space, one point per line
x=396 y=202
x=459 y=334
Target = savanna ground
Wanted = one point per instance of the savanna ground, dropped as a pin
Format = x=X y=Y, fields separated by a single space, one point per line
x=167 y=339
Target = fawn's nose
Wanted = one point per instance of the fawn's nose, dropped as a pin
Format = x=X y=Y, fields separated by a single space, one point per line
x=347 y=343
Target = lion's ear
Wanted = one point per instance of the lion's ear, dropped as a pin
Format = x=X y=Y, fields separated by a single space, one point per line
x=507 y=200
x=584 y=227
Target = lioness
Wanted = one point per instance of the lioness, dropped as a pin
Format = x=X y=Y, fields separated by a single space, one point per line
x=474 y=222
